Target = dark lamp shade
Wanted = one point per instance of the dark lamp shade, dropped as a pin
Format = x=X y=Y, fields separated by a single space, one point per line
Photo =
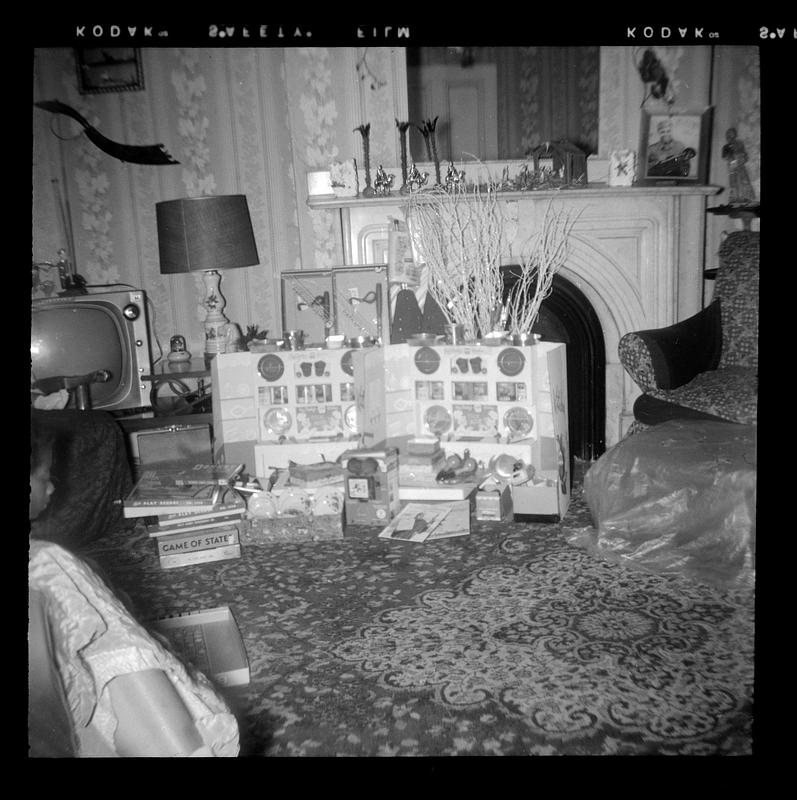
x=203 y=233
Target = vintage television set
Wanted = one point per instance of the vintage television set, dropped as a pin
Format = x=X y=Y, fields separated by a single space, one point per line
x=79 y=334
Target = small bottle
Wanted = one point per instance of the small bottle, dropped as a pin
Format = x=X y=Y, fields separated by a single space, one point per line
x=64 y=272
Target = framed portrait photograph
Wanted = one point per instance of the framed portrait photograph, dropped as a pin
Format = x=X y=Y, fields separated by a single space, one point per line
x=109 y=69
x=674 y=148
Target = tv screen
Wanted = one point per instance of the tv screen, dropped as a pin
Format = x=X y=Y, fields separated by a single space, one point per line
x=81 y=334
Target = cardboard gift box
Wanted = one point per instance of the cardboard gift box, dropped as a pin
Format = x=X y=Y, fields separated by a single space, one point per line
x=371 y=486
x=300 y=528
x=494 y=504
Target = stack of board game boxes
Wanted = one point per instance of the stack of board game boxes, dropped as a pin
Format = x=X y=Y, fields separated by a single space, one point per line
x=193 y=513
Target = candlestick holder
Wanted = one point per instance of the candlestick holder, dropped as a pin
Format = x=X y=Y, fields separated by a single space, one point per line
x=403 y=126
x=365 y=132
x=430 y=137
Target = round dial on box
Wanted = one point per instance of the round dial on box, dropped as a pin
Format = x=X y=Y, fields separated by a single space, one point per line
x=427 y=360
x=277 y=420
x=511 y=361
x=438 y=420
x=270 y=367
x=346 y=363
x=518 y=421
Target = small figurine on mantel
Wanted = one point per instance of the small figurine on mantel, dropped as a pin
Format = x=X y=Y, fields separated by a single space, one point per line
x=740 y=190
x=454 y=177
x=417 y=179
x=383 y=182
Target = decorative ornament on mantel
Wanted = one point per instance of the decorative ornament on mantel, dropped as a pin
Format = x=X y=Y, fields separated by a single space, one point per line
x=402 y=127
x=383 y=182
x=569 y=163
x=416 y=179
x=428 y=130
x=365 y=132
x=454 y=176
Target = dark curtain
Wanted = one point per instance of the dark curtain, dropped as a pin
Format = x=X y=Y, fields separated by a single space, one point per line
x=547 y=93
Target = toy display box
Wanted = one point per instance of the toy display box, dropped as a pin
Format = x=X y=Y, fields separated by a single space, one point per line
x=494 y=504
x=371 y=486
x=541 y=444
x=270 y=408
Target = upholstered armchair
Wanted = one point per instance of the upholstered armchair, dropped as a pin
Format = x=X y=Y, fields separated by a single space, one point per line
x=706 y=366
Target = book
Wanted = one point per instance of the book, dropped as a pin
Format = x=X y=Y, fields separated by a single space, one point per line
x=200 y=556
x=193 y=542
x=323 y=473
x=456 y=521
x=246 y=485
x=210 y=640
x=436 y=491
x=218 y=474
x=188 y=523
x=414 y=522
x=155 y=493
x=230 y=503
x=424 y=522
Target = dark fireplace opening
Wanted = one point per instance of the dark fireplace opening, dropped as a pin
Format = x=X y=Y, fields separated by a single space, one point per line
x=566 y=315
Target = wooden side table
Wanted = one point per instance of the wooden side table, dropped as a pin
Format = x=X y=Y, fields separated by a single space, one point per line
x=745 y=213
x=185 y=399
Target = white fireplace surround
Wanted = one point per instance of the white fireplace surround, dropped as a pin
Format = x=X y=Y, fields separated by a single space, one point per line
x=636 y=253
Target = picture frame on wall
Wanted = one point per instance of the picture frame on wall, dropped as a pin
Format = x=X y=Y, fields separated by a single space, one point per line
x=109 y=69
x=674 y=147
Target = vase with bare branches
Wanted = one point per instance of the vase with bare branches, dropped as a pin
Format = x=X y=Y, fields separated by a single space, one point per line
x=542 y=256
x=460 y=236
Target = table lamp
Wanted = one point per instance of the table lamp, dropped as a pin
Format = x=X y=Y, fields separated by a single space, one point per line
x=207 y=234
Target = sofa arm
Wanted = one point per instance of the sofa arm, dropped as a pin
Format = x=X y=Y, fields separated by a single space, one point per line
x=666 y=358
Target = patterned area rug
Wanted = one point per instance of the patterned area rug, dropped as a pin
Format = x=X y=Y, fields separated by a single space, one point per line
x=505 y=642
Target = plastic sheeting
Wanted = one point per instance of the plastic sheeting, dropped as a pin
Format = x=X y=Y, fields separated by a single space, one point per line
x=677 y=498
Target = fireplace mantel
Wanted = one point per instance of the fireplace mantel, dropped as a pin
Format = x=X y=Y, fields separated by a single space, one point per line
x=637 y=253
x=592 y=190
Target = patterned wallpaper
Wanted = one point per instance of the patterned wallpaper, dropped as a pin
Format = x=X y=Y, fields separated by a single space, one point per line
x=224 y=115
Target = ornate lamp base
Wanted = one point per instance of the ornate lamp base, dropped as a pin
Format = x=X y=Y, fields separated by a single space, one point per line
x=215 y=321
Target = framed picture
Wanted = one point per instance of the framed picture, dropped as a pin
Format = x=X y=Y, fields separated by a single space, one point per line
x=109 y=69
x=349 y=300
x=674 y=148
